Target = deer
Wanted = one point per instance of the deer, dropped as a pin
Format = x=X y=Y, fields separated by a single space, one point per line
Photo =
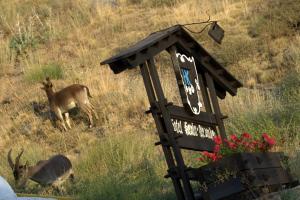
x=51 y=172
x=61 y=102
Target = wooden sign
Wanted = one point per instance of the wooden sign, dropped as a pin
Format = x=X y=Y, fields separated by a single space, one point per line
x=187 y=127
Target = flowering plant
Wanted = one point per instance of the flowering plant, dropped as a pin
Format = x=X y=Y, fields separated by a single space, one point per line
x=236 y=144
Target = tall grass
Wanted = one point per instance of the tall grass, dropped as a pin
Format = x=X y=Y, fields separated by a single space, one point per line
x=121 y=166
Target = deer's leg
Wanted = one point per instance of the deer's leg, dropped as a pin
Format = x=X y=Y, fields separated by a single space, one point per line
x=91 y=107
x=60 y=117
x=68 y=119
x=95 y=114
x=87 y=110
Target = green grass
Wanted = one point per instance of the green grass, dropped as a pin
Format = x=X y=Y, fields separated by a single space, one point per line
x=123 y=166
x=38 y=74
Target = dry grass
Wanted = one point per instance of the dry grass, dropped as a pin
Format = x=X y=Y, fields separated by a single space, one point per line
x=77 y=35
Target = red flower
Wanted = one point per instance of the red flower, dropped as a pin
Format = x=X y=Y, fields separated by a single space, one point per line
x=237 y=143
x=217 y=148
x=246 y=135
x=270 y=141
x=231 y=145
x=217 y=140
x=233 y=137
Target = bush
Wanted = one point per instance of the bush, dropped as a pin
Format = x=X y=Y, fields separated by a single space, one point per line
x=22 y=42
x=54 y=71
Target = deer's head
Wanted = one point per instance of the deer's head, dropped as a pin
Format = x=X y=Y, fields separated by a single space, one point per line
x=47 y=85
x=20 y=171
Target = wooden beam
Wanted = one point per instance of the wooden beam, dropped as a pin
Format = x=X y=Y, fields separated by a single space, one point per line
x=204 y=92
x=152 y=51
x=160 y=127
x=169 y=128
x=215 y=104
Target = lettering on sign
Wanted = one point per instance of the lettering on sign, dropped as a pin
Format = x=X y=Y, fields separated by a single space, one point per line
x=192 y=129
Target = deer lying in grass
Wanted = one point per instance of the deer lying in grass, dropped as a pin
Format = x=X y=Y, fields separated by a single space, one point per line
x=51 y=172
x=62 y=101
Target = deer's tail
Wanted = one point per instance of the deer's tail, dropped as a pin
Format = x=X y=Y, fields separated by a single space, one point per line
x=88 y=92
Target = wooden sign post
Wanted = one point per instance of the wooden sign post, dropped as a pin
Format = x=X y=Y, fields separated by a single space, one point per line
x=200 y=78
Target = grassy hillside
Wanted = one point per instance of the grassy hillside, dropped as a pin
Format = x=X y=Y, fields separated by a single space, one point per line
x=67 y=39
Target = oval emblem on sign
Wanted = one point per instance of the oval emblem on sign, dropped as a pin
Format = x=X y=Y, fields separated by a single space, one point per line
x=190 y=82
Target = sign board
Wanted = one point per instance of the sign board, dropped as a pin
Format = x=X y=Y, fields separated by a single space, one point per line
x=195 y=127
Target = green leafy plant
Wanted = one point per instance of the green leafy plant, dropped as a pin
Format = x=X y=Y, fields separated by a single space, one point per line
x=21 y=42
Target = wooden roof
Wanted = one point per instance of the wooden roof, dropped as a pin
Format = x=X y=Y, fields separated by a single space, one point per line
x=178 y=36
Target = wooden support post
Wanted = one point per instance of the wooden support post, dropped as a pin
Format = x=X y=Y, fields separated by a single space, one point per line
x=169 y=127
x=205 y=95
x=215 y=104
x=167 y=151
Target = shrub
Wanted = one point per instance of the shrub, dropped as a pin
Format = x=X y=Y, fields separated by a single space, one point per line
x=21 y=42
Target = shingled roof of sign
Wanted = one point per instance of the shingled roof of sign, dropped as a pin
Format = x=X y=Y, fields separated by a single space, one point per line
x=176 y=35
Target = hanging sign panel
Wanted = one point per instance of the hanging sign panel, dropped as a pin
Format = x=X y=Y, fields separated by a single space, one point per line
x=188 y=82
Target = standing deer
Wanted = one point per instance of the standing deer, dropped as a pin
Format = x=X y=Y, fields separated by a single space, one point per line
x=62 y=101
x=52 y=172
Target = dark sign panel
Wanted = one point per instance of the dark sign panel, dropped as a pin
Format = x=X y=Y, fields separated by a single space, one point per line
x=195 y=131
